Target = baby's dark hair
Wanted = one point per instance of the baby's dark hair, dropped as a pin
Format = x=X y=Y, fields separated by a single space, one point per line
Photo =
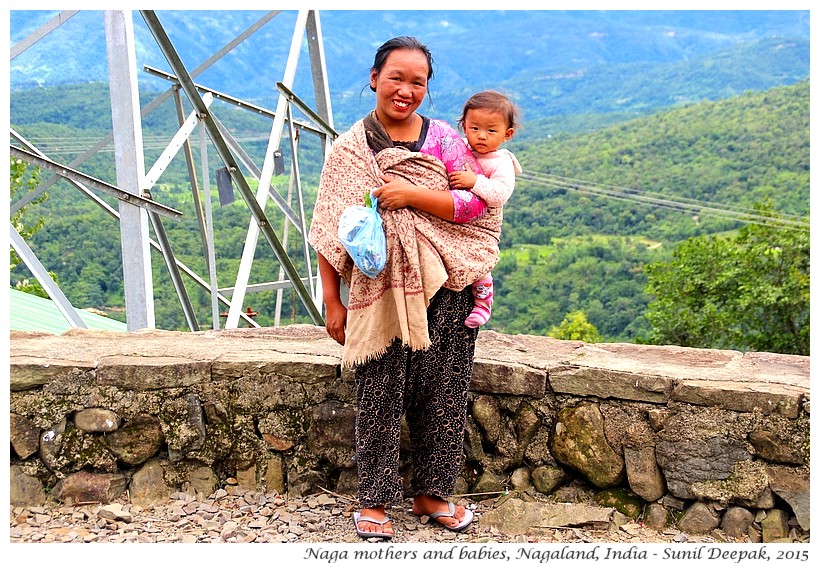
x=401 y=42
x=492 y=101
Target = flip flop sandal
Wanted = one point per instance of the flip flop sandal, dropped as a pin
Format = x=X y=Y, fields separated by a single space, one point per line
x=357 y=517
x=451 y=513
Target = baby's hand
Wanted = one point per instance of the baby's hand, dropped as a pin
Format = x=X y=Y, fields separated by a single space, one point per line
x=462 y=179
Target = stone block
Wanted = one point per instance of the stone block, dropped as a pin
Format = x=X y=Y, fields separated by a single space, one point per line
x=147 y=486
x=97 y=420
x=24 y=436
x=25 y=490
x=740 y=396
x=297 y=367
x=500 y=377
x=643 y=473
x=85 y=487
x=605 y=383
x=516 y=517
x=143 y=373
x=27 y=372
x=579 y=441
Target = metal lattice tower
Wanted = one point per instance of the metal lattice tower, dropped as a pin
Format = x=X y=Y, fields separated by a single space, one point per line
x=137 y=210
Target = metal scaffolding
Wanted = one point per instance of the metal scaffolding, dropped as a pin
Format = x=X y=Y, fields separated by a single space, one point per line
x=137 y=210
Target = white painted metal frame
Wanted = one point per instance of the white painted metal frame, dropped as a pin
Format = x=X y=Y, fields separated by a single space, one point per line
x=41 y=275
x=130 y=164
x=252 y=237
x=261 y=221
x=176 y=143
x=133 y=190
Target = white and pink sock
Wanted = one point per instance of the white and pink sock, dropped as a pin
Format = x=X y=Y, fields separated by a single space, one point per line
x=483 y=303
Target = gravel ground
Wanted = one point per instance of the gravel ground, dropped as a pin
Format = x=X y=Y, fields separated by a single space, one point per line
x=252 y=517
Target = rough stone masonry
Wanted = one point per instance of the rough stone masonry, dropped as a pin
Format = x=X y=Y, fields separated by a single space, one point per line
x=699 y=439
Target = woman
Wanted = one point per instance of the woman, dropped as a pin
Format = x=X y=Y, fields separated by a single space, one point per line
x=404 y=330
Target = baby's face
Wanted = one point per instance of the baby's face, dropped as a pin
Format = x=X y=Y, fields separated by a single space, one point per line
x=486 y=130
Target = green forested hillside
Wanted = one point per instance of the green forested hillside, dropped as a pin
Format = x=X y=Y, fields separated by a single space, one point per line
x=593 y=249
x=737 y=151
x=562 y=250
x=537 y=285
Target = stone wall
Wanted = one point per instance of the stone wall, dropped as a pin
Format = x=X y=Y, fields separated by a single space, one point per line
x=698 y=438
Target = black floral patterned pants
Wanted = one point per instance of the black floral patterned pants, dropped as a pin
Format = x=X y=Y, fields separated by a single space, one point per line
x=429 y=388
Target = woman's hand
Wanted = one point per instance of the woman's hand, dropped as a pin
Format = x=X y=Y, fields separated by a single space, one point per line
x=395 y=194
x=335 y=311
x=335 y=321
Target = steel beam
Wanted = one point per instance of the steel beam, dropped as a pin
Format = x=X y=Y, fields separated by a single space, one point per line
x=318 y=68
x=259 y=287
x=41 y=32
x=323 y=106
x=23 y=201
x=294 y=137
x=248 y=251
x=234 y=101
x=176 y=143
x=189 y=162
x=115 y=214
x=251 y=166
x=324 y=127
x=210 y=252
x=277 y=315
x=128 y=155
x=41 y=275
x=173 y=270
x=75 y=176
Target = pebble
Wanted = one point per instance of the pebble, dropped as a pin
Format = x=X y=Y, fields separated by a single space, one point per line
x=231 y=515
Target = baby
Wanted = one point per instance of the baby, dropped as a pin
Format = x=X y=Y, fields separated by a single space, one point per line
x=488 y=119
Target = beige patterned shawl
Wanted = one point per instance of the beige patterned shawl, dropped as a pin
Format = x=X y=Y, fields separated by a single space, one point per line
x=424 y=253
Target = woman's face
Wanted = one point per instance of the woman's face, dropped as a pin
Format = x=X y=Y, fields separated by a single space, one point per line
x=400 y=85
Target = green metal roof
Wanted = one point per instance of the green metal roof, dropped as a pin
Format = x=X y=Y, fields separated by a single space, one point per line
x=31 y=313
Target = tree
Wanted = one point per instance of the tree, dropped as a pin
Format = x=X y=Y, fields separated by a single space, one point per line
x=575 y=326
x=750 y=292
x=23 y=180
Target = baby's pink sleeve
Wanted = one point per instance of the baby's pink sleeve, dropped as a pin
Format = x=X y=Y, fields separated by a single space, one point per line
x=444 y=143
x=467 y=207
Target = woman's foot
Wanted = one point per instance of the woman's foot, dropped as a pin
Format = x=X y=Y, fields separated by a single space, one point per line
x=427 y=505
x=367 y=527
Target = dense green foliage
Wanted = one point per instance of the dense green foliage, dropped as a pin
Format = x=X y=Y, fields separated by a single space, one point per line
x=537 y=285
x=748 y=292
x=23 y=179
x=733 y=152
x=575 y=326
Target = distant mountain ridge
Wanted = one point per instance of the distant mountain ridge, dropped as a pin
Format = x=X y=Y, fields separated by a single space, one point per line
x=553 y=62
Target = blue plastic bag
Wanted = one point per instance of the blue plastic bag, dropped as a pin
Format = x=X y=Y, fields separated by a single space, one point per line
x=362 y=234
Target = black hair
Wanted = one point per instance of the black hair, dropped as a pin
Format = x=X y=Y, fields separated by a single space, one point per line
x=495 y=102
x=401 y=42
